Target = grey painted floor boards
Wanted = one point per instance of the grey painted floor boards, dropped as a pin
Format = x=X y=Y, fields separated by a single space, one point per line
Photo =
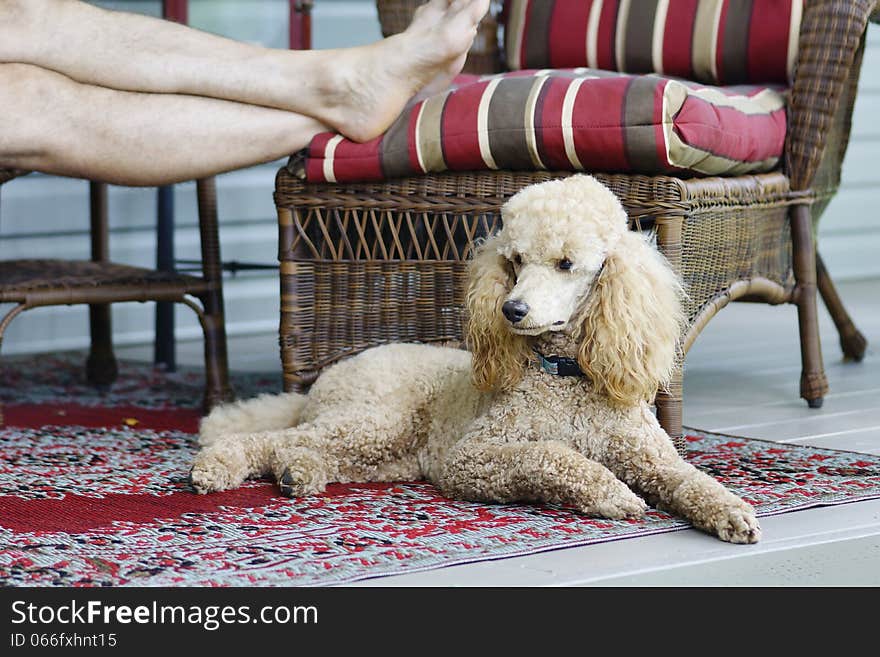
x=741 y=378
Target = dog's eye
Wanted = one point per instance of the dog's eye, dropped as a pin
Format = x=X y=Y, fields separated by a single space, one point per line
x=565 y=264
x=517 y=259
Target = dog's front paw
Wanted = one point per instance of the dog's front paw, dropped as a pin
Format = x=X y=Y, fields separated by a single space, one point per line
x=738 y=525
x=616 y=502
x=216 y=469
x=623 y=506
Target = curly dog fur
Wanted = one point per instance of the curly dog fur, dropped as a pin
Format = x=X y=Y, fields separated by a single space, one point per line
x=491 y=425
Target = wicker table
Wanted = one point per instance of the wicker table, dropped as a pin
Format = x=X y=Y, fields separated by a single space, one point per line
x=100 y=282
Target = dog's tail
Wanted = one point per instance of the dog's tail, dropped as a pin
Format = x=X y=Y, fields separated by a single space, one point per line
x=263 y=413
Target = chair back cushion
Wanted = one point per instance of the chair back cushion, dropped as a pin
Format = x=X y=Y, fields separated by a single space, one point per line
x=711 y=41
x=568 y=119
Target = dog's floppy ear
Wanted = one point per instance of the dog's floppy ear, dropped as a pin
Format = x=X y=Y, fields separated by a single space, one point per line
x=632 y=324
x=499 y=355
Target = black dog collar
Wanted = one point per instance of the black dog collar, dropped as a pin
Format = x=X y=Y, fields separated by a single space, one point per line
x=559 y=365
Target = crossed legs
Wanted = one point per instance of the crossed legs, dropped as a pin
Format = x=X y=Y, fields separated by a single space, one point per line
x=56 y=125
x=133 y=100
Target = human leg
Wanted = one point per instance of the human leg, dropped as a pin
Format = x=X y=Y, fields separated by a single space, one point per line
x=56 y=125
x=358 y=91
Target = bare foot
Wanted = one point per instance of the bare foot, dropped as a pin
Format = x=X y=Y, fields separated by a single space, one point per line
x=368 y=87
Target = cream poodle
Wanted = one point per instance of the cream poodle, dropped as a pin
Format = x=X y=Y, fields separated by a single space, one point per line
x=574 y=322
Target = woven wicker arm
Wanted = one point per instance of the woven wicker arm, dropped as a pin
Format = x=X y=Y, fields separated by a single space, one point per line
x=829 y=58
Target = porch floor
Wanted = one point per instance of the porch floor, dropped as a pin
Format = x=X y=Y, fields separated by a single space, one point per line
x=741 y=378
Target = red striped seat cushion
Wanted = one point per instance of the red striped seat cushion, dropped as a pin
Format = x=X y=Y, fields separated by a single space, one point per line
x=574 y=120
x=713 y=41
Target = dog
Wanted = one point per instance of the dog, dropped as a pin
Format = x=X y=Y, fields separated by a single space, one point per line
x=574 y=323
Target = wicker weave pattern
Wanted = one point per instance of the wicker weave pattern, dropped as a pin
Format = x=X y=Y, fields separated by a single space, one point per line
x=832 y=32
x=48 y=282
x=386 y=263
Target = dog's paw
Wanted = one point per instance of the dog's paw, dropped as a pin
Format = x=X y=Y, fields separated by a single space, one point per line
x=616 y=503
x=739 y=525
x=619 y=507
x=304 y=473
x=217 y=469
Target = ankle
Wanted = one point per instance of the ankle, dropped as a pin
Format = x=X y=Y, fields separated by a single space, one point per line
x=336 y=76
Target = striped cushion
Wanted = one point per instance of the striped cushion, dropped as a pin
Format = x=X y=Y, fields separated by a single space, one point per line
x=713 y=41
x=575 y=120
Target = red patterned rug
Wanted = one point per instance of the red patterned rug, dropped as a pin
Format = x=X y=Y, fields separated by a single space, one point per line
x=93 y=492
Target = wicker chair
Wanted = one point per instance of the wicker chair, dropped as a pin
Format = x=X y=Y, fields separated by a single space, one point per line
x=363 y=264
x=99 y=282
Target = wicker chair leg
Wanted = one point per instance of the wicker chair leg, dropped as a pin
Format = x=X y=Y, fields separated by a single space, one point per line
x=217 y=386
x=669 y=402
x=852 y=342
x=814 y=384
x=101 y=367
x=669 y=411
x=4 y=323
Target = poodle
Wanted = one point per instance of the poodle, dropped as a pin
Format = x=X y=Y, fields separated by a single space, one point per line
x=573 y=326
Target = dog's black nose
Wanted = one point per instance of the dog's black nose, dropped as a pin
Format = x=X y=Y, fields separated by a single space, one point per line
x=515 y=310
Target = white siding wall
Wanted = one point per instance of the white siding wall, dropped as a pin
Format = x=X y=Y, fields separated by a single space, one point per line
x=48 y=217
